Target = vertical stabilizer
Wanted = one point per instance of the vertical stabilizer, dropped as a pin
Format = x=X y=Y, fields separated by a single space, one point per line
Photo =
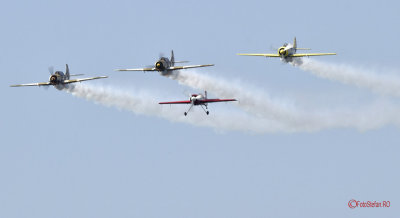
x=67 y=71
x=172 y=58
x=205 y=94
x=294 y=43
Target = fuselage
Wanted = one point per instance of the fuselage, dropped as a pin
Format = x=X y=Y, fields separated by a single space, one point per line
x=196 y=99
x=57 y=80
x=163 y=64
x=286 y=52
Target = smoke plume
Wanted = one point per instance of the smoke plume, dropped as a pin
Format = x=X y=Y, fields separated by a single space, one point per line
x=143 y=103
x=255 y=112
x=259 y=104
x=379 y=82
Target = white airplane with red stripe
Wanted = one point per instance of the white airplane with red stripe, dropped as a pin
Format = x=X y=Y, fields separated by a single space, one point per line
x=199 y=99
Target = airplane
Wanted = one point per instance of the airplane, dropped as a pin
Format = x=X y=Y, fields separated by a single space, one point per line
x=288 y=51
x=198 y=99
x=165 y=66
x=60 y=80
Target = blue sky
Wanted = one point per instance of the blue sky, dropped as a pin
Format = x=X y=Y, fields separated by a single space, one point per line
x=62 y=156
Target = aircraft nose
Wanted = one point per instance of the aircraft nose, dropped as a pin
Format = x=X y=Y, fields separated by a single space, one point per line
x=282 y=52
x=159 y=65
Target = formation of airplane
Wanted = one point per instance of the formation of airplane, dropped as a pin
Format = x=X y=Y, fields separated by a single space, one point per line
x=198 y=100
x=60 y=80
x=165 y=66
x=289 y=51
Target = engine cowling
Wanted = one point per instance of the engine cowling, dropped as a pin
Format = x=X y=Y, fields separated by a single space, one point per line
x=160 y=65
x=282 y=51
x=53 y=79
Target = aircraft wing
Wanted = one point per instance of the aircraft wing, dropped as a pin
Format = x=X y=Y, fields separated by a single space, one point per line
x=265 y=55
x=216 y=100
x=33 y=84
x=190 y=66
x=138 y=69
x=176 y=102
x=83 y=79
x=312 y=54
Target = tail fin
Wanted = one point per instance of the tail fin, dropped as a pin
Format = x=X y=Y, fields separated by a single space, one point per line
x=294 y=43
x=172 y=58
x=205 y=94
x=295 y=46
x=67 y=71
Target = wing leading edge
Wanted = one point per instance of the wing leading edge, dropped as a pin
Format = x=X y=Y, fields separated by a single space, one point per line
x=312 y=54
x=168 y=69
x=32 y=84
x=190 y=66
x=83 y=79
x=265 y=55
x=216 y=100
x=64 y=82
x=138 y=69
x=176 y=102
x=293 y=55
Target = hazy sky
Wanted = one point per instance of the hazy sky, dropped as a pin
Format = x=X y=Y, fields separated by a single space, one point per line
x=63 y=156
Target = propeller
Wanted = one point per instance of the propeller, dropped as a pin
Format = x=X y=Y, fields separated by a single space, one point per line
x=51 y=70
x=160 y=55
x=273 y=48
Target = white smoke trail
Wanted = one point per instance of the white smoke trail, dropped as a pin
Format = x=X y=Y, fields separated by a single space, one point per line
x=144 y=103
x=258 y=103
x=261 y=105
x=261 y=112
x=376 y=81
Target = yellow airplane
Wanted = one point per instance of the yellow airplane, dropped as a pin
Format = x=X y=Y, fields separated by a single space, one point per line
x=288 y=51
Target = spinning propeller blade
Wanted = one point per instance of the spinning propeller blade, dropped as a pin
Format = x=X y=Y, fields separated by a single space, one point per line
x=51 y=70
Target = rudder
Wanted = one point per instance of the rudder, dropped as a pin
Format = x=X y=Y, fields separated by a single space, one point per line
x=172 y=58
x=67 y=71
